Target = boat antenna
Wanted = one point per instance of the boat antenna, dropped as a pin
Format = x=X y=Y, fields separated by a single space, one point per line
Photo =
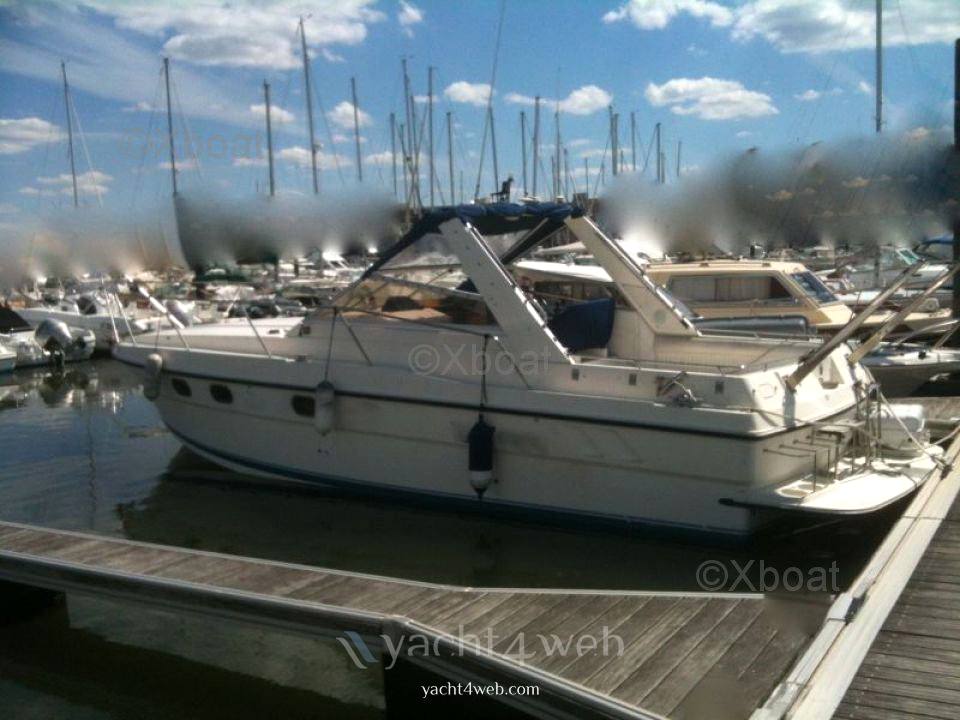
x=66 y=103
x=173 y=158
x=309 y=98
x=266 y=102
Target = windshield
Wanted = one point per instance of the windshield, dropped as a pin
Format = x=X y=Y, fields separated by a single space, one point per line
x=909 y=256
x=813 y=286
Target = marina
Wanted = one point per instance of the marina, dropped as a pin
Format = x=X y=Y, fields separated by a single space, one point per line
x=395 y=359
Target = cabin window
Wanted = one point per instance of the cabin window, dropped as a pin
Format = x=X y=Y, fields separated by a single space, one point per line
x=181 y=387
x=813 y=286
x=701 y=289
x=221 y=393
x=304 y=405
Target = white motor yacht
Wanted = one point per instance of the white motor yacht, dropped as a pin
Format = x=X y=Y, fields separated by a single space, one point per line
x=449 y=379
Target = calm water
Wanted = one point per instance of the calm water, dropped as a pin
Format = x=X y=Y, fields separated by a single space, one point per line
x=84 y=450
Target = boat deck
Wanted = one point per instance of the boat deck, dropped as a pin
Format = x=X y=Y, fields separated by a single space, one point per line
x=890 y=647
x=680 y=653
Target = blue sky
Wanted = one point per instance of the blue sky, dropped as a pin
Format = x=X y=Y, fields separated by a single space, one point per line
x=720 y=76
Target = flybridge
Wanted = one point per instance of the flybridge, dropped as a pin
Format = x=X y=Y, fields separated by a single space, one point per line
x=539 y=221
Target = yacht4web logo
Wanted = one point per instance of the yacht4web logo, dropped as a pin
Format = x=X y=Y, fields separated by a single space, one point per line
x=519 y=646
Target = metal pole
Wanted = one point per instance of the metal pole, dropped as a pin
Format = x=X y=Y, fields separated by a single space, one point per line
x=406 y=191
x=566 y=173
x=586 y=176
x=613 y=141
x=266 y=102
x=493 y=146
x=633 y=139
x=356 y=127
x=879 y=65
x=523 y=147
x=393 y=150
x=430 y=128
x=309 y=99
x=453 y=196
x=173 y=159
x=536 y=142
x=66 y=105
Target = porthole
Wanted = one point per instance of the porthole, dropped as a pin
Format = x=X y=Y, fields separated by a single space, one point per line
x=181 y=387
x=221 y=393
x=304 y=405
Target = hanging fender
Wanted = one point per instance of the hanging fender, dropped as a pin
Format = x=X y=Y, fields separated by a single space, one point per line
x=152 y=372
x=480 y=463
x=324 y=412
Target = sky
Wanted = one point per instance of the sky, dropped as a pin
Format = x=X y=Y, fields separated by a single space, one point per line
x=720 y=76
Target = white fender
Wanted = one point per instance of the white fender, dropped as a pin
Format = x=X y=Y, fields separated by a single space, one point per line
x=324 y=415
x=152 y=372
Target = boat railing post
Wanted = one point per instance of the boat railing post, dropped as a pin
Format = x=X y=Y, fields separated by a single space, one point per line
x=126 y=321
x=255 y=332
x=356 y=340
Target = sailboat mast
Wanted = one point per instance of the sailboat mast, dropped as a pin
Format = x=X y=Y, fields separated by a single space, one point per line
x=433 y=180
x=309 y=97
x=173 y=158
x=453 y=200
x=879 y=65
x=633 y=139
x=356 y=126
x=266 y=102
x=523 y=147
x=393 y=150
x=536 y=142
x=66 y=104
x=659 y=158
x=493 y=147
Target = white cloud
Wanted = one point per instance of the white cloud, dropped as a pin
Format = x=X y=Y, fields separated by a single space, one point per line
x=19 y=135
x=422 y=99
x=809 y=26
x=408 y=16
x=864 y=87
x=584 y=100
x=744 y=134
x=182 y=164
x=340 y=138
x=811 y=95
x=249 y=162
x=242 y=33
x=710 y=99
x=342 y=116
x=467 y=92
x=92 y=182
x=657 y=14
x=331 y=57
x=816 y=26
x=277 y=113
x=300 y=156
x=380 y=158
x=141 y=106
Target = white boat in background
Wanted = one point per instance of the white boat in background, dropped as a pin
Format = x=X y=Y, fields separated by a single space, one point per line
x=8 y=357
x=52 y=343
x=451 y=379
x=100 y=312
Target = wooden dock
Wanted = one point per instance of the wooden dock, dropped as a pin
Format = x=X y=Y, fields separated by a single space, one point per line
x=890 y=647
x=680 y=653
